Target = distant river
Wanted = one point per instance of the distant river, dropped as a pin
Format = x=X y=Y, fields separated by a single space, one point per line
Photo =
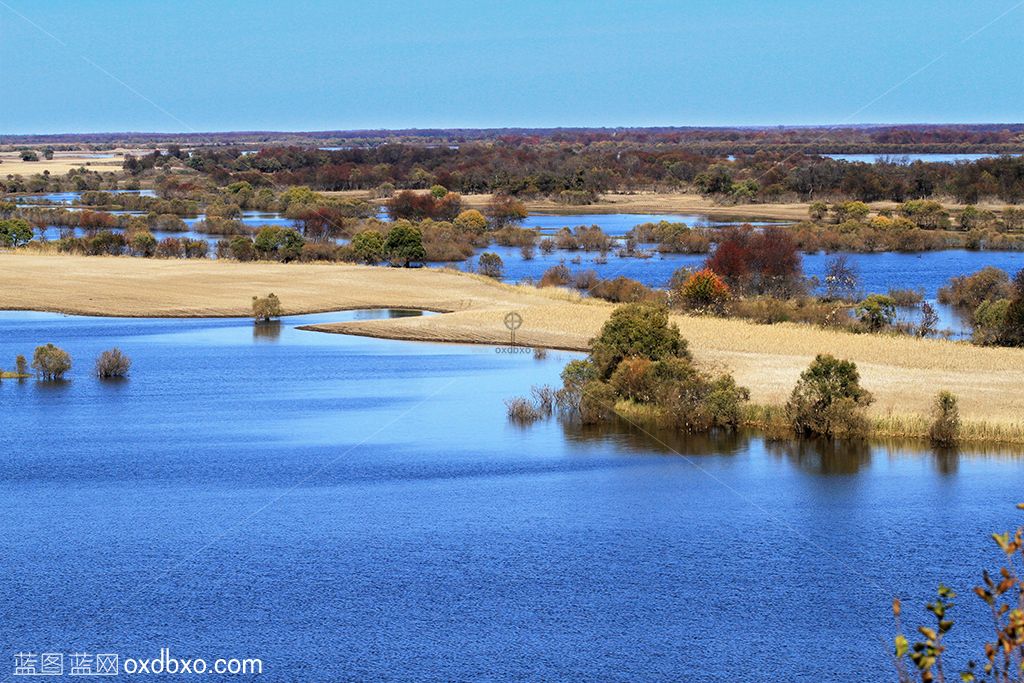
x=910 y=158
x=348 y=508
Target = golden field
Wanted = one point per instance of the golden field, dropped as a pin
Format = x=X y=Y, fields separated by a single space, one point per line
x=904 y=373
x=60 y=164
x=667 y=203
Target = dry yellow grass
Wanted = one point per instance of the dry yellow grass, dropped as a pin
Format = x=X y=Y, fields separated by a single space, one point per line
x=904 y=373
x=669 y=203
x=60 y=164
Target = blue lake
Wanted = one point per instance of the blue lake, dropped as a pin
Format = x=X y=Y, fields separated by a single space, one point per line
x=346 y=508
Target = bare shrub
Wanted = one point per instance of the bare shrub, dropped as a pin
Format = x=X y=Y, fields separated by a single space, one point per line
x=112 y=363
x=544 y=399
x=522 y=410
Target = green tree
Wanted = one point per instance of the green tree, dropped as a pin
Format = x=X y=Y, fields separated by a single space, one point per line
x=142 y=243
x=50 y=362
x=282 y=244
x=877 y=311
x=471 y=220
x=638 y=330
x=438 y=191
x=828 y=399
x=241 y=248
x=818 y=210
x=14 y=232
x=368 y=246
x=404 y=245
x=851 y=211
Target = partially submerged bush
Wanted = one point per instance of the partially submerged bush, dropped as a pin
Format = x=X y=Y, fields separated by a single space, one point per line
x=828 y=400
x=597 y=402
x=112 y=363
x=50 y=362
x=491 y=265
x=969 y=291
x=265 y=308
x=522 y=410
x=556 y=276
x=945 y=428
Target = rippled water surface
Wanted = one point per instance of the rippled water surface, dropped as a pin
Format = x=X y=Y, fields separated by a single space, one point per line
x=348 y=508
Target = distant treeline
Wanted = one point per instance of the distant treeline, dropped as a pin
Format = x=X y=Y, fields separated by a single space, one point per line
x=818 y=139
x=576 y=174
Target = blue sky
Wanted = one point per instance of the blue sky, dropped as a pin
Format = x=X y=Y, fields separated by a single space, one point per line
x=90 y=65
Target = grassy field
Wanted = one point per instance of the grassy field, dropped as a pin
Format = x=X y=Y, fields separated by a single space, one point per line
x=60 y=164
x=669 y=203
x=903 y=373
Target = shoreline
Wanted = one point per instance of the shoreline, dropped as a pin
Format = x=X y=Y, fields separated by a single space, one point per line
x=904 y=373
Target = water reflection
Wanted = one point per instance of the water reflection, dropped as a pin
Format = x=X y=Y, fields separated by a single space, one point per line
x=266 y=331
x=378 y=313
x=823 y=456
x=630 y=438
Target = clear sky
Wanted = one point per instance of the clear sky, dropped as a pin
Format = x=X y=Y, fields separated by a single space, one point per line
x=187 y=65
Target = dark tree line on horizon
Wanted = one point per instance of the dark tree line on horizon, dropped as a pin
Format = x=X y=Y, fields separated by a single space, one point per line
x=577 y=173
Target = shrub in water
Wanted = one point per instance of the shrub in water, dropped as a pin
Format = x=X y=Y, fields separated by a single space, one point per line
x=969 y=291
x=597 y=402
x=522 y=410
x=945 y=429
x=556 y=276
x=112 y=363
x=21 y=365
x=265 y=308
x=575 y=376
x=50 y=362
x=828 y=400
x=491 y=265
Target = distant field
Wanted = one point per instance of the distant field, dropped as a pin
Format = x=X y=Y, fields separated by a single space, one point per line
x=662 y=203
x=904 y=373
x=62 y=162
